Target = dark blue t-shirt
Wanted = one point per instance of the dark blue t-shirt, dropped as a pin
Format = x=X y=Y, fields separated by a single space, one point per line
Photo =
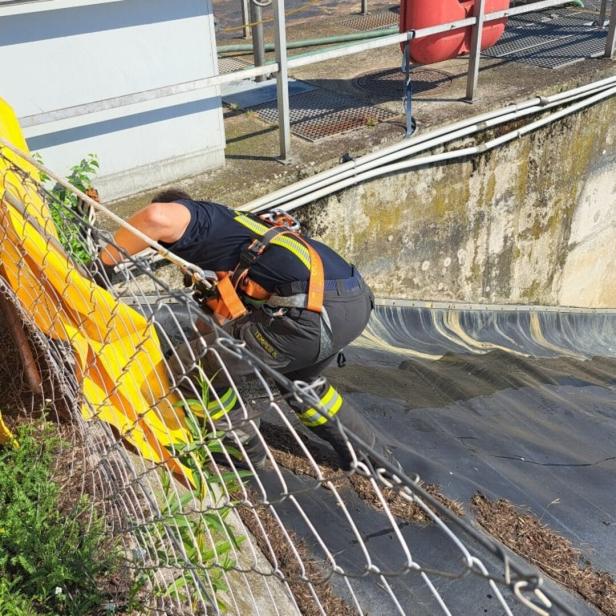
x=213 y=240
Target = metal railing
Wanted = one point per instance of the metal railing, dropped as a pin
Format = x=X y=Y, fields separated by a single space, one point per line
x=65 y=118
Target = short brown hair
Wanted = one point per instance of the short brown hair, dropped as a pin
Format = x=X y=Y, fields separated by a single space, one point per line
x=169 y=196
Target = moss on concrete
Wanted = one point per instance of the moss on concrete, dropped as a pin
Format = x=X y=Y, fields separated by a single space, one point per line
x=494 y=228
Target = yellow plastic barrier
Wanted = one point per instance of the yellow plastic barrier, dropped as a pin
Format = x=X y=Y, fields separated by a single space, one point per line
x=6 y=436
x=117 y=354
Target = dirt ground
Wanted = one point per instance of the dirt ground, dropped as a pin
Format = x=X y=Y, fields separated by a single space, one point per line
x=270 y=537
x=526 y=535
x=289 y=455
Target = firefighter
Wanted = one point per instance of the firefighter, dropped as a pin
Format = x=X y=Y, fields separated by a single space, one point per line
x=293 y=301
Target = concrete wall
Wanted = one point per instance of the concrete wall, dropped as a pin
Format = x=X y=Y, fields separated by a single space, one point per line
x=53 y=58
x=533 y=222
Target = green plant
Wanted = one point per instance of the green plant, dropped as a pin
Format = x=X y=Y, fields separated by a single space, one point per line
x=52 y=558
x=65 y=208
x=12 y=602
x=204 y=441
x=206 y=537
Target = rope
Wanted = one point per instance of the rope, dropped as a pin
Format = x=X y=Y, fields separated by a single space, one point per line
x=288 y=13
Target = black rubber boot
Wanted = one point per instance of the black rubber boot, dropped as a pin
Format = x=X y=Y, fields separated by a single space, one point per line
x=255 y=451
x=353 y=421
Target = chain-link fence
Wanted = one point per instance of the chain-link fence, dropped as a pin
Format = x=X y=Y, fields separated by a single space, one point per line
x=139 y=377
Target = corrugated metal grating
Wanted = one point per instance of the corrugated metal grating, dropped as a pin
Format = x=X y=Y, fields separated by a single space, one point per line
x=372 y=21
x=552 y=39
x=318 y=114
x=229 y=65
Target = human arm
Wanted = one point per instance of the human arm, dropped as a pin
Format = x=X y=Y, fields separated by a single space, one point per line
x=164 y=222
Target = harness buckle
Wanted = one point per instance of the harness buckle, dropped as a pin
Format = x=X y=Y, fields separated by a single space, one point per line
x=251 y=253
x=279 y=218
x=203 y=293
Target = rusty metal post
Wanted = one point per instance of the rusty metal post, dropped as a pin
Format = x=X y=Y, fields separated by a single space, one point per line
x=18 y=333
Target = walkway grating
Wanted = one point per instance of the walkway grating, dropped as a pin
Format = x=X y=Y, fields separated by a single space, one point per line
x=320 y=113
x=230 y=65
x=371 y=21
x=551 y=39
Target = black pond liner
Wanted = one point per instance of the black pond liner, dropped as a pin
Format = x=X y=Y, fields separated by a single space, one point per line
x=516 y=404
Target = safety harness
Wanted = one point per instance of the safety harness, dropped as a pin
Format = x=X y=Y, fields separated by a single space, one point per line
x=226 y=298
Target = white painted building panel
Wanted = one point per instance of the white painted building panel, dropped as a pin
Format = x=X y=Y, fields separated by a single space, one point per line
x=61 y=58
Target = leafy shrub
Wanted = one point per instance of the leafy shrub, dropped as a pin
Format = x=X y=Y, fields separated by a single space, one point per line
x=66 y=209
x=51 y=559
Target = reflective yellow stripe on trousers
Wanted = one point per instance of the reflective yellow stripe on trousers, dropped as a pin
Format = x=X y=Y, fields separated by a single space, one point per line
x=217 y=409
x=331 y=403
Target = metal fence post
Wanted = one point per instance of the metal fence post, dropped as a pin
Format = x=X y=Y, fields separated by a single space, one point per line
x=282 y=80
x=258 y=46
x=364 y=7
x=602 y=13
x=245 y=19
x=473 y=67
x=610 y=47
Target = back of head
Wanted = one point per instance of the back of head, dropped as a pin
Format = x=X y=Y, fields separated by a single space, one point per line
x=169 y=196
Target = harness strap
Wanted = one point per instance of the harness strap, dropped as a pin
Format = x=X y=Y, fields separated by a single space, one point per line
x=316 y=282
x=299 y=247
x=251 y=253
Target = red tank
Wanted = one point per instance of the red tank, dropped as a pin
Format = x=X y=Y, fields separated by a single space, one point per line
x=416 y=14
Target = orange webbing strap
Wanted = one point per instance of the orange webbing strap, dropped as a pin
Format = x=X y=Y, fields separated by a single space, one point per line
x=288 y=239
x=316 y=282
x=227 y=306
x=253 y=289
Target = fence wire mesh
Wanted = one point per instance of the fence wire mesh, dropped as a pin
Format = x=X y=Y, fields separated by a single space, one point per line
x=133 y=376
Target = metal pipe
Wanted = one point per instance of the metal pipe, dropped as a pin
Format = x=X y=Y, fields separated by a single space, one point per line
x=475 y=57
x=364 y=7
x=610 y=46
x=245 y=20
x=304 y=191
x=567 y=94
x=446 y=156
x=147 y=95
x=314 y=42
x=282 y=80
x=602 y=13
x=258 y=48
x=15 y=327
x=424 y=141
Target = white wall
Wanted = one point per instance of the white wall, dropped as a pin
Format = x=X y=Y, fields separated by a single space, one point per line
x=62 y=57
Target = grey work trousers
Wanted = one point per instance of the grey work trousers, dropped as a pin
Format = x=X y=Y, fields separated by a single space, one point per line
x=290 y=341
